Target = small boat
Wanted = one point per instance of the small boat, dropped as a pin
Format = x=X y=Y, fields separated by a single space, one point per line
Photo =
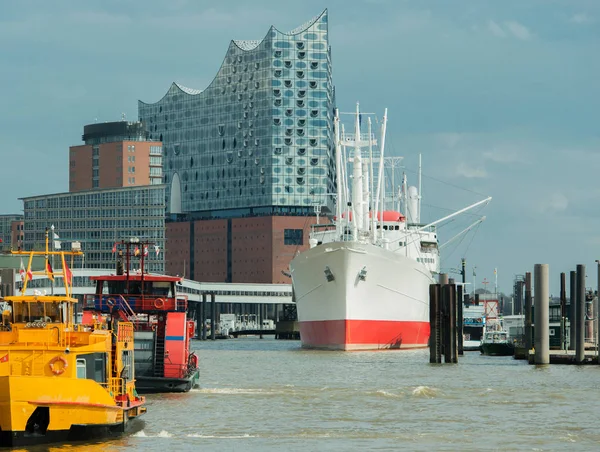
x=162 y=331
x=496 y=342
x=60 y=381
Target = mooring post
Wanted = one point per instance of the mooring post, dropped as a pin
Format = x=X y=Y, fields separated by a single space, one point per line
x=580 y=297
x=435 y=356
x=213 y=315
x=573 y=310
x=459 y=318
x=443 y=278
x=198 y=320
x=598 y=316
x=260 y=319
x=528 y=320
x=204 y=312
x=452 y=321
x=563 y=311
x=446 y=321
x=541 y=313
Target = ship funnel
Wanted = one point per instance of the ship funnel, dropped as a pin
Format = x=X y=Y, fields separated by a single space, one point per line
x=412 y=213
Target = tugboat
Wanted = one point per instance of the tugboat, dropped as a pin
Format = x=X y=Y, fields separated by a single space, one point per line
x=60 y=381
x=163 y=359
x=495 y=341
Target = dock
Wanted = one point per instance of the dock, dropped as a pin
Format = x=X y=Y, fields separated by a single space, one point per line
x=567 y=357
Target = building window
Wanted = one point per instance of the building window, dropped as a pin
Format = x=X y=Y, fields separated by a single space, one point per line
x=293 y=237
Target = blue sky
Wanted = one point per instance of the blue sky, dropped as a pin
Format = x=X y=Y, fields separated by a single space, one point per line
x=500 y=97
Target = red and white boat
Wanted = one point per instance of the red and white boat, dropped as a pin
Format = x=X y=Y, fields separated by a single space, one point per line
x=364 y=282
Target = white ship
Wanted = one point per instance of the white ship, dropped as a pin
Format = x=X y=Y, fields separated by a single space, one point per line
x=364 y=282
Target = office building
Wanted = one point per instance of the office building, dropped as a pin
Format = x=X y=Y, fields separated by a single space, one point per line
x=115 y=154
x=98 y=219
x=11 y=231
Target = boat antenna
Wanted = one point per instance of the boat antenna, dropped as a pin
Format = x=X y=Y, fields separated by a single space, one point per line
x=418 y=216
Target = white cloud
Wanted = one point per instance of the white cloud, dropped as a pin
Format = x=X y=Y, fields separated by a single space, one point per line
x=469 y=172
x=511 y=28
x=496 y=29
x=581 y=18
x=449 y=139
x=518 y=30
x=556 y=202
x=503 y=156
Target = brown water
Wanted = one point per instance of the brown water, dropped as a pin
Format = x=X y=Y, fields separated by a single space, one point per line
x=272 y=395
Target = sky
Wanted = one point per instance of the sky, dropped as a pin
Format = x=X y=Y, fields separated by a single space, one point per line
x=501 y=99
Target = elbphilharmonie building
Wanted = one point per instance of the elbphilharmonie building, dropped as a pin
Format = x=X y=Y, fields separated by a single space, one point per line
x=259 y=139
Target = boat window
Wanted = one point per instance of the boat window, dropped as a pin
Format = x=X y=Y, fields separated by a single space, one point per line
x=99 y=370
x=81 y=368
x=161 y=288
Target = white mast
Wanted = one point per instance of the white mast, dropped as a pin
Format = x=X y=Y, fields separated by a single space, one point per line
x=418 y=216
x=338 y=175
x=380 y=175
x=372 y=177
x=357 y=179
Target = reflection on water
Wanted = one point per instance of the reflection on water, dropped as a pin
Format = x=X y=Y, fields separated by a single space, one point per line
x=272 y=395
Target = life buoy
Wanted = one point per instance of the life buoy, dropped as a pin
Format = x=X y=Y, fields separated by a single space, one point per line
x=159 y=303
x=154 y=327
x=111 y=301
x=61 y=370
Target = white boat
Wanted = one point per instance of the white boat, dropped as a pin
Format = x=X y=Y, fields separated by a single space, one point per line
x=364 y=282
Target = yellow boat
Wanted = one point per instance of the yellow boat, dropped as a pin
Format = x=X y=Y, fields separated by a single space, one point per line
x=58 y=380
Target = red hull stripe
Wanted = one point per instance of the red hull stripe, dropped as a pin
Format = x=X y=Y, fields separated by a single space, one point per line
x=377 y=334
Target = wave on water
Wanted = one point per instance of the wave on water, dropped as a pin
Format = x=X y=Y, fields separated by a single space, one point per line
x=383 y=393
x=237 y=391
x=425 y=391
x=200 y=435
x=161 y=434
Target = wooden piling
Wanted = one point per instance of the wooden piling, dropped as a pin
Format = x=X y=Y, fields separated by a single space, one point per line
x=459 y=319
x=542 y=311
x=580 y=328
x=203 y=317
x=435 y=355
x=213 y=319
x=260 y=319
x=573 y=310
x=563 y=311
x=528 y=320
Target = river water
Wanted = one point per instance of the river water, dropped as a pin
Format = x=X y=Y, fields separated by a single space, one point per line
x=262 y=395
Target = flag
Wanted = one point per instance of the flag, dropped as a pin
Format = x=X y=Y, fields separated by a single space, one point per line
x=4 y=359
x=495 y=271
x=145 y=251
x=68 y=274
x=114 y=248
x=136 y=251
x=157 y=249
x=22 y=271
x=56 y=241
x=49 y=270
x=474 y=272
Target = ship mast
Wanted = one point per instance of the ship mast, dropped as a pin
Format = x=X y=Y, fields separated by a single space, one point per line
x=379 y=197
x=338 y=175
x=357 y=180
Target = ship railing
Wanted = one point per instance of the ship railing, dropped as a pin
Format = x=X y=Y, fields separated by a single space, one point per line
x=134 y=303
x=116 y=387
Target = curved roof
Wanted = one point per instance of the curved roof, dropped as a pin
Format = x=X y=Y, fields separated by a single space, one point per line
x=187 y=90
x=245 y=45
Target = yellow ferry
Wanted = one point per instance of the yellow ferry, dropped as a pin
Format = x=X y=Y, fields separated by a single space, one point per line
x=58 y=380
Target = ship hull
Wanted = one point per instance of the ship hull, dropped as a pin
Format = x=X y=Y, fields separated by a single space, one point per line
x=43 y=410
x=153 y=385
x=497 y=349
x=353 y=296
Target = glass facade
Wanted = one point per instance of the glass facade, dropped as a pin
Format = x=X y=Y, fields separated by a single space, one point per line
x=98 y=219
x=260 y=135
x=5 y=230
